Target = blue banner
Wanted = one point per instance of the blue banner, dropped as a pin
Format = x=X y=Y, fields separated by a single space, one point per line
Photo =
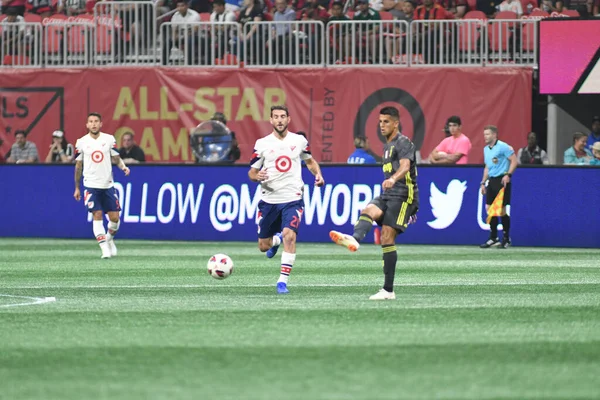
x=550 y=206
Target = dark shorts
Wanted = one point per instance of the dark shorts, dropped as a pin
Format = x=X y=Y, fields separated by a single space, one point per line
x=105 y=200
x=272 y=218
x=493 y=187
x=396 y=212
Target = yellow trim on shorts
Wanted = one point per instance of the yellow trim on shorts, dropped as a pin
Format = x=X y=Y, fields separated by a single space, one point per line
x=400 y=220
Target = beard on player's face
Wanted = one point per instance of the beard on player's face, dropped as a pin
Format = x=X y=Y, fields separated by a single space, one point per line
x=280 y=128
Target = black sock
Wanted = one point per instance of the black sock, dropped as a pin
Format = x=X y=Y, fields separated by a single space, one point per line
x=494 y=228
x=362 y=227
x=390 y=256
x=506 y=226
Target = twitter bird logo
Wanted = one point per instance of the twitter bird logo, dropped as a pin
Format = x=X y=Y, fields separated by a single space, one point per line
x=446 y=206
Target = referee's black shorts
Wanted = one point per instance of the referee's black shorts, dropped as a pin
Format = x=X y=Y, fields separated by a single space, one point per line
x=493 y=187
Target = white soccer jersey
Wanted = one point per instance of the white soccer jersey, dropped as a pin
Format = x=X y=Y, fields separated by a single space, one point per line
x=96 y=156
x=282 y=159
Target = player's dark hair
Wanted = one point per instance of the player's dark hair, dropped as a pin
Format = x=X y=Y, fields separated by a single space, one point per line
x=391 y=111
x=337 y=3
x=95 y=114
x=20 y=133
x=219 y=2
x=181 y=1
x=455 y=119
x=280 y=108
x=492 y=128
x=578 y=135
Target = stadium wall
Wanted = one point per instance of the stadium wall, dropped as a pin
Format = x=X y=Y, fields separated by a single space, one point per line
x=552 y=206
x=161 y=105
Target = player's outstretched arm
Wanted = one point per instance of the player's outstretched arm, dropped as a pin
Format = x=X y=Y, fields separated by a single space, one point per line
x=119 y=162
x=315 y=169
x=78 y=172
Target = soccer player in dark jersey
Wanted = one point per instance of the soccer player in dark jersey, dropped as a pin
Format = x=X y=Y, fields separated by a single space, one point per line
x=397 y=206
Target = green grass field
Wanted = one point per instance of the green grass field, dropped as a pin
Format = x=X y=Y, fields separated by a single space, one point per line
x=152 y=324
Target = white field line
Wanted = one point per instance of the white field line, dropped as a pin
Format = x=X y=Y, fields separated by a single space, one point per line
x=297 y=285
x=32 y=300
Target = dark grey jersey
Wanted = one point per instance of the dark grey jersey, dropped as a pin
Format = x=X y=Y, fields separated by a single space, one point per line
x=406 y=188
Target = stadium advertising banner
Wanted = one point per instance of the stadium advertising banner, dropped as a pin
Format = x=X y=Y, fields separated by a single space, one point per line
x=219 y=203
x=160 y=106
x=567 y=64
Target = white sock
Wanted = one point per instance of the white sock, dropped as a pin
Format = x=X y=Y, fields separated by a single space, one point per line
x=113 y=227
x=99 y=232
x=276 y=241
x=287 y=262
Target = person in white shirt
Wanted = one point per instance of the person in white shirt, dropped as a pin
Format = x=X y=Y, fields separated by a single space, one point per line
x=512 y=5
x=95 y=153
x=277 y=164
x=184 y=37
x=221 y=34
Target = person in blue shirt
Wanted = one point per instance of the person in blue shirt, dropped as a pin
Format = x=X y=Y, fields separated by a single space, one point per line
x=578 y=154
x=361 y=155
x=594 y=134
x=500 y=163
x=596 y=152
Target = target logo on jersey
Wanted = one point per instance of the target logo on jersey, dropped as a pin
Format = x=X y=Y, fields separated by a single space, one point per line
x=97 y=156
x=283 y=163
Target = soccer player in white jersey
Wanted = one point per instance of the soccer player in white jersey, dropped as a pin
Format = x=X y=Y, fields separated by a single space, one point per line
x=277 y=164
x=95 y=153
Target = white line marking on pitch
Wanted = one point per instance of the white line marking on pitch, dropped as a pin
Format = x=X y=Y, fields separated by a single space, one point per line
x=33 y=300
x=304 y=285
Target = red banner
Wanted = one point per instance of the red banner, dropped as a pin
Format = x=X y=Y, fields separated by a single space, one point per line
x=160 y=106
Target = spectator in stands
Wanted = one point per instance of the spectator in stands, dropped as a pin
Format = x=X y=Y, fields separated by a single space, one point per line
x=396 y=42
x=596 y=154
x=596 y=8
x=338 y=33
x=368 y=32
x=23 y=151
x=17 y=5
x=43 y=8
x=595 y=132
x=390 y=6
x=221 y=34
x=456 y=8
x=60 y=151
x=14 y=36
x=251 y=39
x=551 y=6
x=578 y=154
x=313 y=11
x=361 y=155
x=182 y=33
x=512 y=5
x=455 y=148
x=281 y=43
x=426 y=38
x=532 y=153
x=73 y=7
x=131 y=153
x=488 y=7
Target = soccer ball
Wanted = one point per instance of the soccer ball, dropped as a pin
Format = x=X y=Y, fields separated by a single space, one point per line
x=220 y=266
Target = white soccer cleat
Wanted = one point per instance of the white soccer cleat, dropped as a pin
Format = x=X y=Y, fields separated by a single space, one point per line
x=105 y=253
x=344 y=240
x=383 y=295
x=112 y=247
